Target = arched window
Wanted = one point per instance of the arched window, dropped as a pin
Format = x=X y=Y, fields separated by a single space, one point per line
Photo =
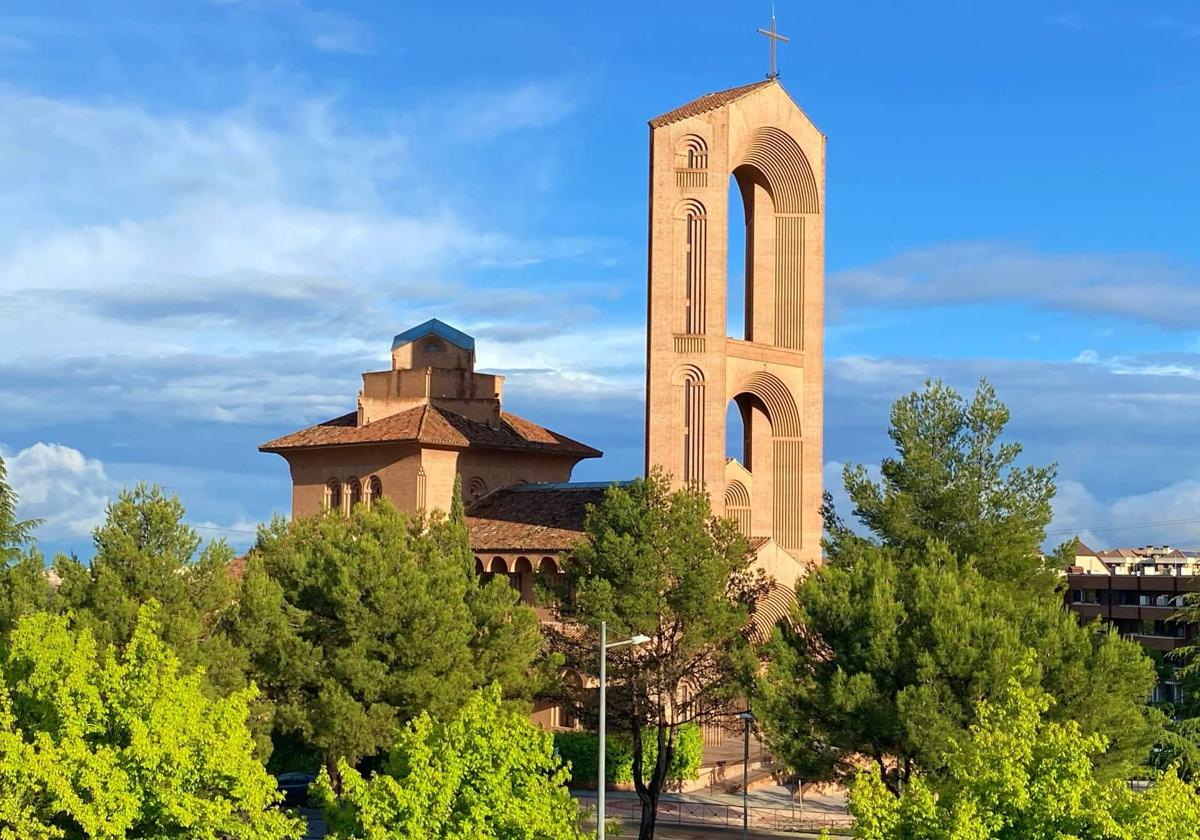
x=691 y=162
x=375 y=490
x=690 y=381
x=476 y=488
x=333 y=495
x=434 y=347
x=693 y=232
x=356 y=493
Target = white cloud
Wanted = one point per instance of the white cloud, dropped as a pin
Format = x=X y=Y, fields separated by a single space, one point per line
x=61 y=486
x=1169 y=514
x=1144 y=287
x=183 y=258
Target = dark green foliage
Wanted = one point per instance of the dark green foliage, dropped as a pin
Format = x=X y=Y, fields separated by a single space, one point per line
x=146 y=552
x=953 y=479
x=658 y=563
x=24 y=589
x=905 y=631
x=355 y=625
x=579 y=750
x=15 y=534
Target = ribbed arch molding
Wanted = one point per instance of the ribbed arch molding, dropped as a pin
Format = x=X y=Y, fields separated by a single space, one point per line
x=785 y=168
x=782 y=412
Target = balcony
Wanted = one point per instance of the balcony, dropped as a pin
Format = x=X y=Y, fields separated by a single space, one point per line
x=1162 y=643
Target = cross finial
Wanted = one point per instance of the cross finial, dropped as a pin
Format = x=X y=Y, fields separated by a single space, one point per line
x=775 y=37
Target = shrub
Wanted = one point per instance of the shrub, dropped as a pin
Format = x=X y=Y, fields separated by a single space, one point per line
x=579 y=750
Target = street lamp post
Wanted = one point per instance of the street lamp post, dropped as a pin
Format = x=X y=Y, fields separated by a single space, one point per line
x=639 y=639
x=746 y=717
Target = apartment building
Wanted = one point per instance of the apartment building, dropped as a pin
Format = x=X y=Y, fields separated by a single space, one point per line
x=1140 y=592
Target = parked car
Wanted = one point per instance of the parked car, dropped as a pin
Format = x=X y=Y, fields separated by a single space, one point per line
x=294 y=786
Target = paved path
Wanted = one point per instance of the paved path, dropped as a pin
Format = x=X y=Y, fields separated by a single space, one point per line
x=768 y=805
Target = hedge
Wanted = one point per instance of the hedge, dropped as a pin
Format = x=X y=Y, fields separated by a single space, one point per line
x=578 y=749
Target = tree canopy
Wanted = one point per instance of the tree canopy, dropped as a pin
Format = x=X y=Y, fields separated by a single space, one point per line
x=484 y=773
x=905 y=628
x=658 y=563
x=1017 y=775
x=100 y=744
x=955 y=479
x=15 y=534
x=146 y=552
x=355 y=625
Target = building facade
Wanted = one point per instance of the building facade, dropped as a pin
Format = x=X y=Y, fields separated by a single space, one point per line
x=417 y=427
x=1140 y=591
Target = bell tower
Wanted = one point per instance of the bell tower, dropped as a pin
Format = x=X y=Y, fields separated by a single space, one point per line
x=773 y=372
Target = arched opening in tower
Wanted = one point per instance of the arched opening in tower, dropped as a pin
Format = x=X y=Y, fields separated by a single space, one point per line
x=749 y=299
x=735 y=283
x=735 y=434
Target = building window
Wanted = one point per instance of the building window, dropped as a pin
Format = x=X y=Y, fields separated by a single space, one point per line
x=434 y=347
x=356 y=496
x=333 y=495
x=375 y=490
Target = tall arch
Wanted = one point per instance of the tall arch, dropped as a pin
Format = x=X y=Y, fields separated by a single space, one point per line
x=778 y=190
x=689 y=381
x=786 y=169
x=777 y=459
x=691 y=221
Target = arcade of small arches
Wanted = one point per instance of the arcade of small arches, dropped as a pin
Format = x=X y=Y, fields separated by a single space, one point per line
x=343 y=496
x=520 y=569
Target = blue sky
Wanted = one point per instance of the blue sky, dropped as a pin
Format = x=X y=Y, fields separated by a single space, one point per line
x=215 y=215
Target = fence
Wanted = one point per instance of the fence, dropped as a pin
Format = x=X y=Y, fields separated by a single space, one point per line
x=682 y=812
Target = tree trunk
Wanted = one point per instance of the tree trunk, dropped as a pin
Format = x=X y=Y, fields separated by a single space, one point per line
x=649 y=817
x=335 y=776
x=649 y=794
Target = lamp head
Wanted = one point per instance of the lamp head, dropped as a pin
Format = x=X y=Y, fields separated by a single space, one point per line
x=639 y=639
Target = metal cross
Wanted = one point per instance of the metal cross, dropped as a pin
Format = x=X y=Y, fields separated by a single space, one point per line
x=775 y=37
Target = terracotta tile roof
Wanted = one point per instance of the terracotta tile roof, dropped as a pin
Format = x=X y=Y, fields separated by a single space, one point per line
x=545 y=518
x=708 y=102
x=433 y=425
x=756 y=543
x=1081 y=550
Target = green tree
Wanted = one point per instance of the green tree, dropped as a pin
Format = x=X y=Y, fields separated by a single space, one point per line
x=15 y=534
x=507 y=634
x=24 y=587
x=658 y=563
x=954 y=479
x=1020 y=776
x=355 y=625
x=904 y=629
x=146 y=552
x=891 y=656
x=96 y=744
x=484 y=773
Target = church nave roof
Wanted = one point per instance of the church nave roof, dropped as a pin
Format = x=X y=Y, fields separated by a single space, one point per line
x=436 y=426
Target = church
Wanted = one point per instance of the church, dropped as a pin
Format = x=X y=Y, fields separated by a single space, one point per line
x=432 y=418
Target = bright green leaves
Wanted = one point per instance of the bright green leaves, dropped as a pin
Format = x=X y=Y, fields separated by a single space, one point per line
x=484 y=773
x=1017 y=775
x=97 y=745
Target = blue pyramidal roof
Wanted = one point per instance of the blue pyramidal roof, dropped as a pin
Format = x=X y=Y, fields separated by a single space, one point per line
x=438 y=328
